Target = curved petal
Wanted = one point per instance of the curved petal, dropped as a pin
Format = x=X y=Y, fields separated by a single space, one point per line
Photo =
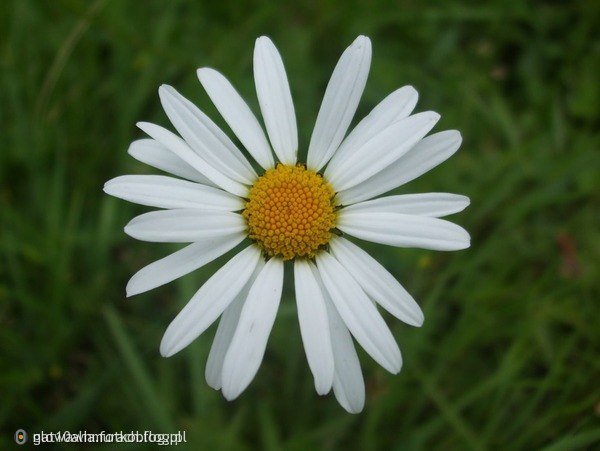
x=180 y=148
x=434 y=205
x=181 y=263
x=427 y=154
x=381 y=151
x=348 y=383
x=205 y=137
x=154 y=154
x=359 y=313
x=377 y=282
x=227 y=325
x=400 y=230
x=167 y=192
x=184 y=225
x=339 y=103
x=238 y=115
x=209 y=301
x=396 y=106
x=249 y=342
x=314 y=326
x=275 y=100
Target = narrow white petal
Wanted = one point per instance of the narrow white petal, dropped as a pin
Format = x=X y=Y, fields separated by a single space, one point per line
x=381 y=151
x=209 y=301
x=205 y=137
x=359 y=313
x=153 y=153
x=339 y=103
x=427 y=154
x=348 y=383
x=314 y=326
x=181 y=263
x=227 y=325
x=249 y=342
x=377 y=282
x=184 y=225
x=275 y=100
x=180 y=148
x=237 y=114
x=168 y=192
x=435 y=205
x=396 y=106
x=401 y=230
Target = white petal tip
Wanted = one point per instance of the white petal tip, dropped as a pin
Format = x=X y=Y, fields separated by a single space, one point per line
x=415 y=320
x=132 y=290
x=362 y=39
x=164 y=91
x=322 y=390
x=214 y=386
x=144 y=126
x=166 y=351
x=397 y=368
x=230 y=394
x=433 y=116
x=203 y=72
x=456 y=136
x=263 y=38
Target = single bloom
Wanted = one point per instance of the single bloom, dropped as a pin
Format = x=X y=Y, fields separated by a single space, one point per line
x=285 y=210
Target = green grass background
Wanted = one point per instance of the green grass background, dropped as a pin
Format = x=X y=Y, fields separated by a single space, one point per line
x=508 y=355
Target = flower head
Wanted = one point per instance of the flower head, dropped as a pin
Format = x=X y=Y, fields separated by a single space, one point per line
x=288 y=210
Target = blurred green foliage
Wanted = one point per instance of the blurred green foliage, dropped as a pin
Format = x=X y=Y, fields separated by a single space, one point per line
x=508 y=355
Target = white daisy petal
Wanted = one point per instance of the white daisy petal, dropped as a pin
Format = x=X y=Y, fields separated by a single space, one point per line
x=427 y=154
x=381 y=151
x=314 y=326
x=180 y=148
x=227 y=325
x=205 y=137
x=154 y=154
x=435 y=205
x=237 y=114
x=275 y=100
x=168 y=192
x=348 y=382
x=339 y=103
x=249 y=342
x=209 y=301
x=359 y=313
x=396 y=106
x=377 y=282
x=184 y=225
x=401 y=230
x=181 y=263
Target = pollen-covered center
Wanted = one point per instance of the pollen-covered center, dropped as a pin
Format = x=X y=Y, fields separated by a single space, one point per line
x=290 y=212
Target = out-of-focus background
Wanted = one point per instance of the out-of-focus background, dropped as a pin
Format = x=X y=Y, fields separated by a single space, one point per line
x=508 y=355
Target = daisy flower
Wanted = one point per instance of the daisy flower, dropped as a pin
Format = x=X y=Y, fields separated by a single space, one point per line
x=286 y=210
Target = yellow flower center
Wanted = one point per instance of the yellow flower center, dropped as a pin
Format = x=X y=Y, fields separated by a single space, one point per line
x=290 y=212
